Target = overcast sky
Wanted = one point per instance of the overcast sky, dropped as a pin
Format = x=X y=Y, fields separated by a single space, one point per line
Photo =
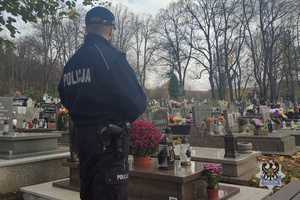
x=152 y=7
x=144 y=6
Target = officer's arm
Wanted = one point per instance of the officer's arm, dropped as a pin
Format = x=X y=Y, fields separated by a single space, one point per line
x=128 y=95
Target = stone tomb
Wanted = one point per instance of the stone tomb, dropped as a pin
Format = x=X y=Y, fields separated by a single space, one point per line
x=18 y=173
x=21 y=145
x=240 y=167
x=182 y=183
x=275 y=143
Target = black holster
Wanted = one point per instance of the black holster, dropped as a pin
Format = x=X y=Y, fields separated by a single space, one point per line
x=117 y=134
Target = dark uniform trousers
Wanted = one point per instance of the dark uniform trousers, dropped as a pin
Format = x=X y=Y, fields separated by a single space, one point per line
x=103 y=175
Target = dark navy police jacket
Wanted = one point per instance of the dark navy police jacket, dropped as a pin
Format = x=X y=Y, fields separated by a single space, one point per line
x=98 y=85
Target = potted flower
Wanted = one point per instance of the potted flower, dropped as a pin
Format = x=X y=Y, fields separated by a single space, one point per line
x=250 y=109
x=51 y=122
x=276 y=115
x=257 y=123
x=63 y=118
x=259 y=126
x=177 y=118
x=213 y=175
x=144 y=140
x=241 y=121
x=290 y=113
x=63 y=112
x=222 y=120
x=209 y=120
x=209 y=124
x=171 y=118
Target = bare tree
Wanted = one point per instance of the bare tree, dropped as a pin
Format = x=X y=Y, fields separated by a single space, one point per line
x=125 y=28
x=69 y=33
x=143 y=48
x=202 y=12
x=174 y=51
x=27 y=63
x=49 y=49
x=270 y=13
x=7 y=71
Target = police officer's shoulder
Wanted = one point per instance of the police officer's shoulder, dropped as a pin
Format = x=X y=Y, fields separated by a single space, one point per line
x=119 y=51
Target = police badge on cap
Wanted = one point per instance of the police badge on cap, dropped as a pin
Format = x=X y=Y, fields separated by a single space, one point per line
x=100 y=15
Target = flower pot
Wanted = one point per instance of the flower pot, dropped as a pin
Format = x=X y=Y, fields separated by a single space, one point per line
x=52 y=125
x=278 y=126
x=142 y=160
x=260 y=131
x=212 y=194
x=210 y=128
x=66 y=123
x=242 y=128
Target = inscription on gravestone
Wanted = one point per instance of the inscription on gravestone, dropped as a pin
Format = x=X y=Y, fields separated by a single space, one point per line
x=230 y=119
x=160 y=119
x=6 y=112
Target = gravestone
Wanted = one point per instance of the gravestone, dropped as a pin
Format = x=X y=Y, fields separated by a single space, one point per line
x=25 y=113
x=148 y=113
x=20 y=100
x=296 y=107
x=160 y=119
x=200 y=112
x=30 y=103
x=231 y=105
x=290 y=105
x=173 y=111
x=165 y=109
x=283 y=105
x=231 y=116
x=6 y=112
x=187 y=110
x=222 y=107
x=265 y=114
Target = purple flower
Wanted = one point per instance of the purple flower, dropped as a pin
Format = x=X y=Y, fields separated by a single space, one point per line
x=276 y=112
x=256 y=122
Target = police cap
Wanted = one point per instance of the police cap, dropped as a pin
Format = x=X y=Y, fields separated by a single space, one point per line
x=103 y=16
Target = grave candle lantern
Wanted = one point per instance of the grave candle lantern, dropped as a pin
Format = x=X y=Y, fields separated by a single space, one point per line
x=230 y=145
x=270 y=126
x=185 y=152
x=166 y=154
x=5 y=127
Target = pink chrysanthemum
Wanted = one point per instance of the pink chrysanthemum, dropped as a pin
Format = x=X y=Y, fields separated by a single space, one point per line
x=144 y=138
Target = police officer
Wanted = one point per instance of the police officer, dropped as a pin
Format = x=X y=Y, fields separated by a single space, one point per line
x=100 y=89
